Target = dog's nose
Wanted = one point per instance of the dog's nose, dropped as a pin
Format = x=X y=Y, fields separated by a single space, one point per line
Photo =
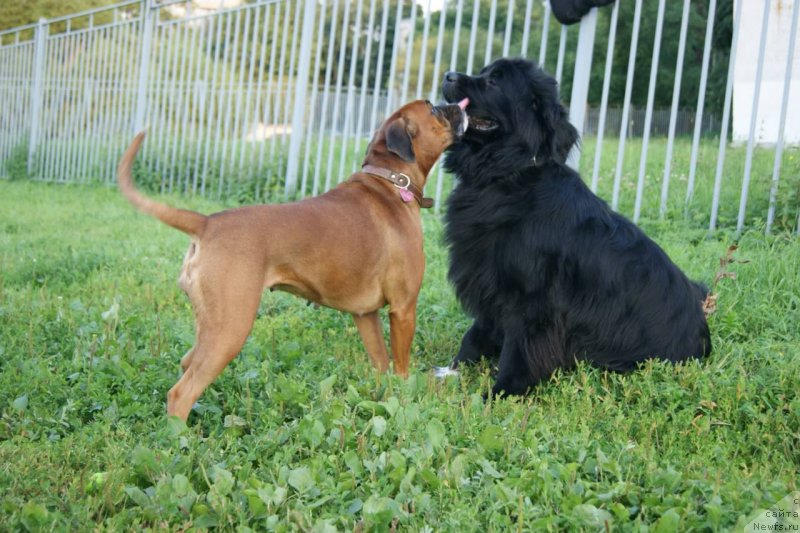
x=451 y=76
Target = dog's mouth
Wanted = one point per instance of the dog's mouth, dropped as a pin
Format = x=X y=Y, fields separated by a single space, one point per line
x=456 y=116
x=482 y=124
x=477 y=123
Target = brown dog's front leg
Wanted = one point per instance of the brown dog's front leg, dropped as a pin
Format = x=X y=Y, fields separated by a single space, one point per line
x=369 y=326
x=402 y=322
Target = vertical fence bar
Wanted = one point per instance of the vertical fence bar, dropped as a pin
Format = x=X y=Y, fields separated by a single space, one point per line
x=66 y=170
x=172 y=105
x=86 y=108
x=701 y=98
x=487 y=57
x=376 y=91
x=726 y=113
x=213 y=102
x=526 y=31
x=787 y=82
x=37 y=93
x=186 y=47
x=228 y=148
x=324 y=115
x=601 y=126
x=268 y=103
x=203 y=105
x=580 y=80
x=437 y=64
x=648 y=117
x=89 y=95
x=473 y=34
x=748 y=161
x=164 y=117
x=348 y=108
x=437 y=61
x=509 y=26
x=545 y=31
x=423 y=54
x=289 y=101
x=339 y=76
x=623 y=129
x=147 y=15
x=61 y=125
x=453 y=66
x=161 y=118
x=562 y=50
x=673 y=114
x=276 y=102
x=55 y=63
x=359 y=129
x=7 y=90
x=409 y=50
x=11 y=121
x=260 y=107
x=239 y=64
x=298 y=114
x=52 y=63
x=84 y=93
x=221 y=111
x=314 y=97
x=395 y=51
x=187 y=137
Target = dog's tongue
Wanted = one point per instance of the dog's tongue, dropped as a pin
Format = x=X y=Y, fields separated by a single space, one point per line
x=463 y=104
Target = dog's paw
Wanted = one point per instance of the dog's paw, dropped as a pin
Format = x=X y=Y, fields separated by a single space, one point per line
x=442 y=372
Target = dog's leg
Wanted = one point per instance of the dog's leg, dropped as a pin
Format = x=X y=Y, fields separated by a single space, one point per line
x=527 y=358
x=402 y=322
x=225 y=311
x=186 y=360
x=369 y=326
x=479 y=341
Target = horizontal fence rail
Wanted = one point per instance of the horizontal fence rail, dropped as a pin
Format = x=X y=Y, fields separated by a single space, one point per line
x=277 y=99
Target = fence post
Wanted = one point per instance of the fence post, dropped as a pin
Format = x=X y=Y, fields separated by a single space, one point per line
x=37 y=94
x=148 y=18
x=580 y=83
x=299 y=113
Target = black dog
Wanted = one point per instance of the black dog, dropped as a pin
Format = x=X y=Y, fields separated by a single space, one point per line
x=547 y=270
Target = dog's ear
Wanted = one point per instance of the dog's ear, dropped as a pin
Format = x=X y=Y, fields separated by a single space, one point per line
x=398 y=140
x=563 y=135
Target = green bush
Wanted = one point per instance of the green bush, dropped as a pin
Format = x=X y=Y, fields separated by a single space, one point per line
x=16 y=166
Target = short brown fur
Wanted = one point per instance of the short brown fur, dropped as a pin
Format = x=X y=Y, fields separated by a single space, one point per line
x=356 y=248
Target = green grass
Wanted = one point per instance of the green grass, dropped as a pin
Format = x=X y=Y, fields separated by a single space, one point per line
x=299 y=434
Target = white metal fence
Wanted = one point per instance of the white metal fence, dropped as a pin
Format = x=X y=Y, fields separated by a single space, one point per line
x=278 y=98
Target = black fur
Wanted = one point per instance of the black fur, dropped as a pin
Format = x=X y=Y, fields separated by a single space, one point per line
x=547 y=270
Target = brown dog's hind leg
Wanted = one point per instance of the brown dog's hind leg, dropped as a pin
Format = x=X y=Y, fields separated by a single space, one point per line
x=208 y=358
x=402 y=322
x=225 y=311
x=186 y=360
x=369 y=326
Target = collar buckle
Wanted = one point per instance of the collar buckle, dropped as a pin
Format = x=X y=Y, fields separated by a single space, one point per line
x=401 y=181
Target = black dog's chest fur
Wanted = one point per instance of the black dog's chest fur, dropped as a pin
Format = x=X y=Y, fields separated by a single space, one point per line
x=544 y=249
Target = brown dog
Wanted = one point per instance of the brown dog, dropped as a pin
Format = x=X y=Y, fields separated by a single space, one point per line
x=356 y=248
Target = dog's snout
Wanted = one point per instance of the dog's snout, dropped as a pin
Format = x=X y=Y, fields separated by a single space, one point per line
x=452 y=77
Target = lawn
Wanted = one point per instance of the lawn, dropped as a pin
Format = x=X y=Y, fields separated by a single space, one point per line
x=298 y=434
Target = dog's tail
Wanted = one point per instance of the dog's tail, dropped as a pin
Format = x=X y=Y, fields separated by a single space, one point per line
x=189 y=222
